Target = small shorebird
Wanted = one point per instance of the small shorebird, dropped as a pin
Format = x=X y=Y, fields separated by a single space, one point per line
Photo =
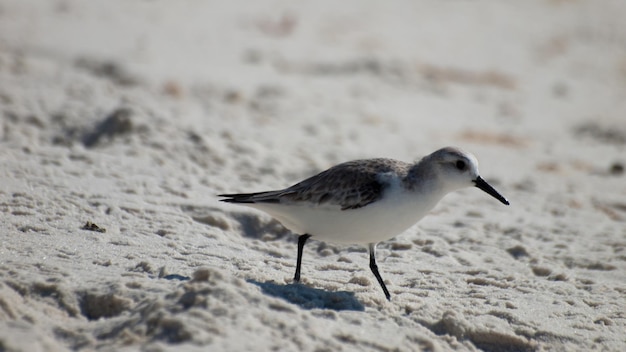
x=367 y=201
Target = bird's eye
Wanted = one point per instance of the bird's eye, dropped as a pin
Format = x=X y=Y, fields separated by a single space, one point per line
x=460 y=164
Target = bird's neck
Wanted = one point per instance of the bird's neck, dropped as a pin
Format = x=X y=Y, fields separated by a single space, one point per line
x=420 y=178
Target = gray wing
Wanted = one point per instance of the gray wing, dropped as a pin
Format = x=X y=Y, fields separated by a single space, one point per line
x=350 y=185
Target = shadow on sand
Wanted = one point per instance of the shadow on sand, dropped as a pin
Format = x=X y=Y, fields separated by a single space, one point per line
x=310 y=298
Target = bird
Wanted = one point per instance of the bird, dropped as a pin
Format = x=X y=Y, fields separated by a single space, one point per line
x=367 y=201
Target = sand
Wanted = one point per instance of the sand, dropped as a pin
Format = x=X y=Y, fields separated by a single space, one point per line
x=122 y=120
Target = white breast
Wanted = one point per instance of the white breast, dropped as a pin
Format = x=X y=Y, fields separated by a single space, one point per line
x=394 y=213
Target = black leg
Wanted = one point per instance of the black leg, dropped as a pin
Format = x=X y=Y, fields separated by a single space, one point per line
x=301 y=241
x=374 y=268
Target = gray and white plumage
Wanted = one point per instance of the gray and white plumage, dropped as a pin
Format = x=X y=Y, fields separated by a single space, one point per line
x=367 y=201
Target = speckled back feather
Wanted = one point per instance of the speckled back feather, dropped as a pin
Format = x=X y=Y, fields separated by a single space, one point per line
x=334 y=186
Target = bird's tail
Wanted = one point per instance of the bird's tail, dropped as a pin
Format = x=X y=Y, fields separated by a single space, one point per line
x=258 y=197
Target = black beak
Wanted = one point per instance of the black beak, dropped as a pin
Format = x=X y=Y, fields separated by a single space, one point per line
x=482 y=184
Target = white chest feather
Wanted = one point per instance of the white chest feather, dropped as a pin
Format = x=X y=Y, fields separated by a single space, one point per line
x=381 y=220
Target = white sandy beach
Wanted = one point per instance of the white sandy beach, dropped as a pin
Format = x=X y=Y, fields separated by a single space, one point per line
x=122 y=120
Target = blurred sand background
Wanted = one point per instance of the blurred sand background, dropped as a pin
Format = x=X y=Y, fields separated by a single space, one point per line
x=121 y=121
